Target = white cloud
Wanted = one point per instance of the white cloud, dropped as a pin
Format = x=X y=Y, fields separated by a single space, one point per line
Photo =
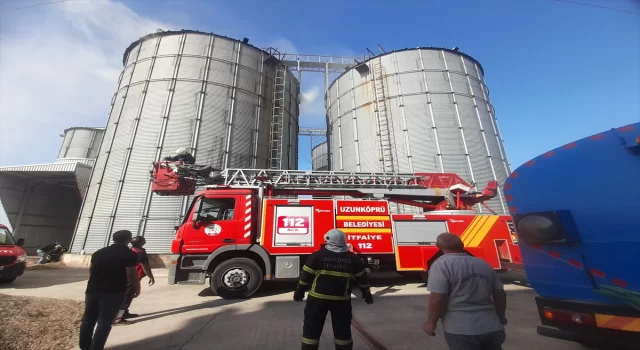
x=309 y=97
x=312 y=86
x=60 y=71
x=283 y=45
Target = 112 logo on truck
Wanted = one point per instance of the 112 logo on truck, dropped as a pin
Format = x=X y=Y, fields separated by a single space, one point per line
x=293 y=225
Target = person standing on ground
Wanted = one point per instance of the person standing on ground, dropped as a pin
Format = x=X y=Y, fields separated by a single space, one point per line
x=43 y=252
x=110 y=269
x=327 y=275
x=143 y=269
x=468 y=296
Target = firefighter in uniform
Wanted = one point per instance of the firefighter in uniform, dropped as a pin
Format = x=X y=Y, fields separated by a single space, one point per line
x=328 y=275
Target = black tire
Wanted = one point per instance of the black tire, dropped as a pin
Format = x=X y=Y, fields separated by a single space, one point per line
x=424 y=276
x=7 y=280
x=243 y=272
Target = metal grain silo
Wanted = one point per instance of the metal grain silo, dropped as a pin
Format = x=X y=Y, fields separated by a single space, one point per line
x=417 y=110
x=79 y=142
x=320 y=157
x=211 y=94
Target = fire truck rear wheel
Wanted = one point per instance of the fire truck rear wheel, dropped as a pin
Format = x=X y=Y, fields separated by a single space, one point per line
x=236 y=278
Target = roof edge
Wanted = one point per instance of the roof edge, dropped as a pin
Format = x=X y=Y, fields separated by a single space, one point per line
x=174 y=32
x=84 y=128
x=411 y=49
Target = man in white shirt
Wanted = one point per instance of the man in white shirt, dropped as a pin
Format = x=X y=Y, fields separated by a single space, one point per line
x=467 y=295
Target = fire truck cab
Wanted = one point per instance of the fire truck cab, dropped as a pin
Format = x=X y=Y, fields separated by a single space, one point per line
x=256 y=225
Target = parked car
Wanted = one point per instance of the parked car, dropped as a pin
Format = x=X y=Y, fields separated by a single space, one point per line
x=13 y=259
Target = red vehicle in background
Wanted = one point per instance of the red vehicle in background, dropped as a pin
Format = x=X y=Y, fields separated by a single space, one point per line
x=251 y=225
x=13 y=259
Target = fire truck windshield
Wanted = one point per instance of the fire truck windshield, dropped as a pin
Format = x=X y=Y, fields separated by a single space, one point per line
x=216 y=208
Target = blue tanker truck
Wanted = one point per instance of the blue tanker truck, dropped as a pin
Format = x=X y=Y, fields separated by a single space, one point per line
x=577 y=215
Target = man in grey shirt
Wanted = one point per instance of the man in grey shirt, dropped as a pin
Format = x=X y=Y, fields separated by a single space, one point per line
x=468 y=296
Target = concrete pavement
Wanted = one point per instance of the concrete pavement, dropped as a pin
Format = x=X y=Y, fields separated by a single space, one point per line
x=190 y=317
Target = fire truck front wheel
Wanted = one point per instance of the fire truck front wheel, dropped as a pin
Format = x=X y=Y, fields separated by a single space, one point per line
x=236 y=278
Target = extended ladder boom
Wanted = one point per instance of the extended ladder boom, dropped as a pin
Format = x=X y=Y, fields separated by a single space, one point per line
x=324 y=179
x=426 y=190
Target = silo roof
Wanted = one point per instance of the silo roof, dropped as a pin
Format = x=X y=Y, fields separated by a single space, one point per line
x=173 y=32
x=410 y=49
x=83 y=128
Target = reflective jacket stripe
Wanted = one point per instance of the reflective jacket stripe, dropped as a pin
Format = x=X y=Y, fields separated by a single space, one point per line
x=335 y=273
x=328 y=297
x=309 y=270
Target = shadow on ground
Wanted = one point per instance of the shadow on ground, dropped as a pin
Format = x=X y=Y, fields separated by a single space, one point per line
x=46 y=277
x=395 y=321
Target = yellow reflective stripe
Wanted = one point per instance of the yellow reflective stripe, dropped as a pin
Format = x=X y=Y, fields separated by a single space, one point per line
x=360 y=273
x=334 y=273
x=329 y=297
x=303 y=283
x=362 y=218
x=343 y=342
x=309 y=270
x=310 y=341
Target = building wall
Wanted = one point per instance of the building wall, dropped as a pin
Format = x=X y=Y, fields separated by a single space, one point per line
x=188 y=89
x=40 y=212
x=434 y=106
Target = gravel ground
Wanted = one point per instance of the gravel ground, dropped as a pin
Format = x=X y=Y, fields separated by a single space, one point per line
x=32 y=323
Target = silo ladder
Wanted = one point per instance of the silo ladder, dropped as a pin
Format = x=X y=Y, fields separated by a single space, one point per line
x=385 y=133
x=276 y=129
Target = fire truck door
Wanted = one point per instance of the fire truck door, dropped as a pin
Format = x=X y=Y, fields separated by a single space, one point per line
x=215 y=225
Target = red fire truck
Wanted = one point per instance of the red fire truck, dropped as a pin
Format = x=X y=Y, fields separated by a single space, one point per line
x=251 y=225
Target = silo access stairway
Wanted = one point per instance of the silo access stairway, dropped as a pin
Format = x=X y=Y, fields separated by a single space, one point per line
x=430 y=191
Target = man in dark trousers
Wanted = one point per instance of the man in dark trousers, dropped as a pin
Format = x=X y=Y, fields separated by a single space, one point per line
x=143 y=269
x=467 y=295
x=111 y=268
x=328 y=275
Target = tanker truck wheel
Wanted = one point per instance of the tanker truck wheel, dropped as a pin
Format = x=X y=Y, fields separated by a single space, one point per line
x=236 y=278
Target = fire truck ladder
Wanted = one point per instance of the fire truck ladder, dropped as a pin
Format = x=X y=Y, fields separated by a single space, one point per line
x=426 y=190
x=385 y=128
x=432 y=188
x=275 y=136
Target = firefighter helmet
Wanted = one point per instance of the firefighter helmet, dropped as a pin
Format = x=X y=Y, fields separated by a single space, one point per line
x=336 y=241
x=181 y=151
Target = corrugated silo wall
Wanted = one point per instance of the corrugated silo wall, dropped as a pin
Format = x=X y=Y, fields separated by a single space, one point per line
x=188 y=89
x=320 y=157
x=438 y=118
x=81 y=143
